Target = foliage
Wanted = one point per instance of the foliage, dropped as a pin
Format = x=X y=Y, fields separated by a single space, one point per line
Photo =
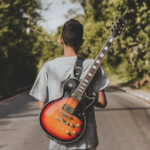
x=24 y=46
x=46 y=47
x=131 y=48
x=17 y=64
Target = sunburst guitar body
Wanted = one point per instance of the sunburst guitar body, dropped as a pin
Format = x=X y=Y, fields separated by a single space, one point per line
x=64 y=119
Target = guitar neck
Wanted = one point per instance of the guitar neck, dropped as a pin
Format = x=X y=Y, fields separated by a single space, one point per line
x=80 y=90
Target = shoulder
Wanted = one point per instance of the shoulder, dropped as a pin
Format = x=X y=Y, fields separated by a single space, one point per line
x=88 y=60
x=50 y=63
x=88 y=63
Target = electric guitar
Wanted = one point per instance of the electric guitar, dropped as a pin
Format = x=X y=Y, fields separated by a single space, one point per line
x=64 y=119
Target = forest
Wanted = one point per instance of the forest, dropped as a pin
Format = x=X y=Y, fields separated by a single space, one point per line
x=25 y=46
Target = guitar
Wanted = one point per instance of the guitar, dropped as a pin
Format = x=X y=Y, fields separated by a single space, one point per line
x=64 y=119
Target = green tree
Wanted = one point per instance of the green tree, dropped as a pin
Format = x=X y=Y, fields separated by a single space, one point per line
x=136 y=39
x=129 y=56
x=45 y=48
x=17 y=64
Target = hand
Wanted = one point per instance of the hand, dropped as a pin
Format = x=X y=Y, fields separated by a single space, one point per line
x=41 y=104
x=101 y=100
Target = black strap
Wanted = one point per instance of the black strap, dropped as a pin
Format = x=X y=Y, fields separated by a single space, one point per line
x=78 y=67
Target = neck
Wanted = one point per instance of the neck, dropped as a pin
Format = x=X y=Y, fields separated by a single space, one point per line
x=69 y=51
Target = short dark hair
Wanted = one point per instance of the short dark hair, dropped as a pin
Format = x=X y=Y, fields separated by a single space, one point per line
x=72 y=33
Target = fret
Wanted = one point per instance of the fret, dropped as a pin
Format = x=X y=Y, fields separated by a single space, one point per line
x=106 y=48
x=92 y=70
x=108 y=44
x=85 y=80
x=111 y=40
x=104 y=52
x=98 y=61
x=90 y=74
x=96 y=64
x=102 y=55
x=83 y=84
x=87 y=77
x=81 y=87
x=77 y=93
x=79 y=90
x=100 y=58
x=94 y=67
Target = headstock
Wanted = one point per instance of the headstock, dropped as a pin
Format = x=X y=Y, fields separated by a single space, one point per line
x=118 y=27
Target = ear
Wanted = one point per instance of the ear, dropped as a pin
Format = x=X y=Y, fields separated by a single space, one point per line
x=61 y=40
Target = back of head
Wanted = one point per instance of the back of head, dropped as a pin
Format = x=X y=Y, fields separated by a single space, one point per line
x=72 y=34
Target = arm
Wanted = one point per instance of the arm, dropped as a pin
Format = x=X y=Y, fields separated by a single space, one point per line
x=41 y=104
x=40 y=87
x=101 y=100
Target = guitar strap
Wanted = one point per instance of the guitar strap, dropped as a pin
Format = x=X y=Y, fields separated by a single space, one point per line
x=78 y=67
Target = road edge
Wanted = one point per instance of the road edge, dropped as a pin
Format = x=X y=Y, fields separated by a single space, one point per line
x=129 y=91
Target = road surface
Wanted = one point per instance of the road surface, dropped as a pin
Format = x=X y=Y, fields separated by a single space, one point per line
x=123 y=125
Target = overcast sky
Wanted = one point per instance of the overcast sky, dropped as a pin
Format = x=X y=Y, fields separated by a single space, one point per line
x=54 y=16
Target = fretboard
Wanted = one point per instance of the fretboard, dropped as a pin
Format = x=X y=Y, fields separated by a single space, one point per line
x=80 y=90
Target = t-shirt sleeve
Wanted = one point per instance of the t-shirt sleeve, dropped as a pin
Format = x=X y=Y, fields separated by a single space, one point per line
x=100 y=81
x=40 y=89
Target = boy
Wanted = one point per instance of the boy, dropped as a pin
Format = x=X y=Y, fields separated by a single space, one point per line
x=48 y=85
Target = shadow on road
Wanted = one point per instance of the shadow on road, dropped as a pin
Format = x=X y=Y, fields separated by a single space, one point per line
x=122 y=109
x=142 y=121
x=20 y=116
x=22 y=106
x=1 y=146
x=111 y=89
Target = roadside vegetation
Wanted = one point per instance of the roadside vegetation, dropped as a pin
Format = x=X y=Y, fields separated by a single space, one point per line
x=25 y=46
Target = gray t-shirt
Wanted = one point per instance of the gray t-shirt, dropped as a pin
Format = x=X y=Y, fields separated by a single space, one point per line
x=49 y=86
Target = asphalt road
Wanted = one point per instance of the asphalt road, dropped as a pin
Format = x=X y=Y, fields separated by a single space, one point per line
x=123 y=125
